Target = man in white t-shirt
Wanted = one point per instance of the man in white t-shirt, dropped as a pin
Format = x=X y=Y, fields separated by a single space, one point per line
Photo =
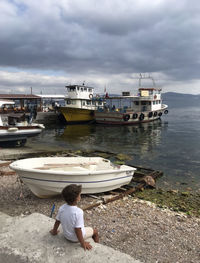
x=71 y=218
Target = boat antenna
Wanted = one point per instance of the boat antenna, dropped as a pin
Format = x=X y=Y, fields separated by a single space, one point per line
x=140 y=80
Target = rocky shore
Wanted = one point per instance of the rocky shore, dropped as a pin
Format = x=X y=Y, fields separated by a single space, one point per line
x=148 y=231
x=139 y=228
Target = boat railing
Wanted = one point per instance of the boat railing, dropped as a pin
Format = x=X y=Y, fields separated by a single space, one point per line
x=113 y=109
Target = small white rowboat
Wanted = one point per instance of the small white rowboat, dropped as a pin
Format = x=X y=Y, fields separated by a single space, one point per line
x=49 y=175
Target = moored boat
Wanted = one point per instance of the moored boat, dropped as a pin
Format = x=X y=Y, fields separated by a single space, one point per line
x=145 y=107
x=80 y=104
x=47 y=176
x=17 y=127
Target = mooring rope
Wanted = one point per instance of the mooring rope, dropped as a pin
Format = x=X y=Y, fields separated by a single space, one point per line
x=19 y=181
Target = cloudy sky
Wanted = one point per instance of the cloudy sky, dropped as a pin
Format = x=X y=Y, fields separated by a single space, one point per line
x=48 y=44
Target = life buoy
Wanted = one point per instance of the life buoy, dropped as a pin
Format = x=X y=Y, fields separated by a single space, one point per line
x=12 y=129
x=126 y=117
x=155 y=97
x=150 y=114
x=166 y=111
x=155 y=114
x=160 y=114
x=141 y=117
x=135 y=115
x=90 y=96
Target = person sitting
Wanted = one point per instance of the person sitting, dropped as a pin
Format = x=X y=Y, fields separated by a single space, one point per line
x=71 y=218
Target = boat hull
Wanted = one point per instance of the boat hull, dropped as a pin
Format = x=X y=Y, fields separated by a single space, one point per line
x=128 y=118
x=18 y=133
x=47 y=183
x=77 y=115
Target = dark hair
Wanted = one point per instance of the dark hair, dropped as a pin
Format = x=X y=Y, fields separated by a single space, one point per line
x=71 y=192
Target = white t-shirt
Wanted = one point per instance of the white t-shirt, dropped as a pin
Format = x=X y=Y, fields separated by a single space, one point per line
x=71 y=217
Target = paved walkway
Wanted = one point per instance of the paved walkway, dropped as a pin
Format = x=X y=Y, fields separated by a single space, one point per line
x=27 y=239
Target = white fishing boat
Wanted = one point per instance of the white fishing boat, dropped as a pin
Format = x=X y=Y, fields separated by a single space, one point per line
x=80 y=104
x=47 y=176
x=129 y=109
x=17 y=127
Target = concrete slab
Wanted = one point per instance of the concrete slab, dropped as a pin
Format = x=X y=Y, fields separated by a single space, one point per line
x=27 y=239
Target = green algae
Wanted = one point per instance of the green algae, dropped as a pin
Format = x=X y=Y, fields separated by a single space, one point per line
x=119 y=162
x=186 y=202
x=123 y=157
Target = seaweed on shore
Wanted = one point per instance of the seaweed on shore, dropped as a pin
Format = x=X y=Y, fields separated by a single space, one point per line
x=186 y=202
x=179 y=201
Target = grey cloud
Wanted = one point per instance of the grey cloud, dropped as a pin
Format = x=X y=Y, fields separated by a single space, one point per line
x=124 y=38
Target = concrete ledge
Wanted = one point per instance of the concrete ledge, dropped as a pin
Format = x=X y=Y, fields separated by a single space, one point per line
x=27 y=239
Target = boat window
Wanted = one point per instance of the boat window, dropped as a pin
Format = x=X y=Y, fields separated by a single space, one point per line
x=83 y=103
x=73 y=102
x=81 y=89
x=149 y=102
x=93 y=103
x=157 y=102
x=154 y=102
x=150 y=92
x=136 y=102
x=68 y=102
x=77 y=88
x=90 y=90
x=143 y=103
x=85 y=89
x=72 y=89
x=88 y=102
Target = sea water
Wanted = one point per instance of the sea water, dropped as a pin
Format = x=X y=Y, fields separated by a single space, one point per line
x=171 y=144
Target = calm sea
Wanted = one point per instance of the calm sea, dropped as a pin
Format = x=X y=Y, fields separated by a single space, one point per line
x=171 y=145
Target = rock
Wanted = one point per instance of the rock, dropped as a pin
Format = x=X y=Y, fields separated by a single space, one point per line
x=185 y=193
x=149 y=181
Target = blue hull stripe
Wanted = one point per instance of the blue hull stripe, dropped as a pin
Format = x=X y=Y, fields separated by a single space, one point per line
x=77 y=182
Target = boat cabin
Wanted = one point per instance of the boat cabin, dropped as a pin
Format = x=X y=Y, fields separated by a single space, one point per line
x=81 y=96
x=148 y=99
x=80 y=92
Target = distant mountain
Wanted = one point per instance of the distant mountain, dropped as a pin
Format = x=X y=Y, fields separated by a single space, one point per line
x=174 y=99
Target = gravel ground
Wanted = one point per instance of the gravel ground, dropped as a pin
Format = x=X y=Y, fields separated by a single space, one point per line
x=135 y=227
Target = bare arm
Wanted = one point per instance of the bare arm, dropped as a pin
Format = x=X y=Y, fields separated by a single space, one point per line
x=85 y=245
x=55 y=231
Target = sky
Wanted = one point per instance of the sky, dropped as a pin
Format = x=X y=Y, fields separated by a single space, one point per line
x=49 y=44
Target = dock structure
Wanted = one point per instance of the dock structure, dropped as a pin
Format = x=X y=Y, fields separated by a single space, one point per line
x=49 y=101
x=23 y=102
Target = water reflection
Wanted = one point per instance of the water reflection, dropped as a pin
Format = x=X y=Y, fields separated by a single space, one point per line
x=172 y=146
x=75 y=131
x=137 y=139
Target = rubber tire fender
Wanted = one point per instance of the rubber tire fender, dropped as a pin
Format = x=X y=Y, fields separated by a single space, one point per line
x=126 y=117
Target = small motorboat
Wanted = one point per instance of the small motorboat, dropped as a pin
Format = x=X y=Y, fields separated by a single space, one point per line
x=17 y=127
x=47 y=176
